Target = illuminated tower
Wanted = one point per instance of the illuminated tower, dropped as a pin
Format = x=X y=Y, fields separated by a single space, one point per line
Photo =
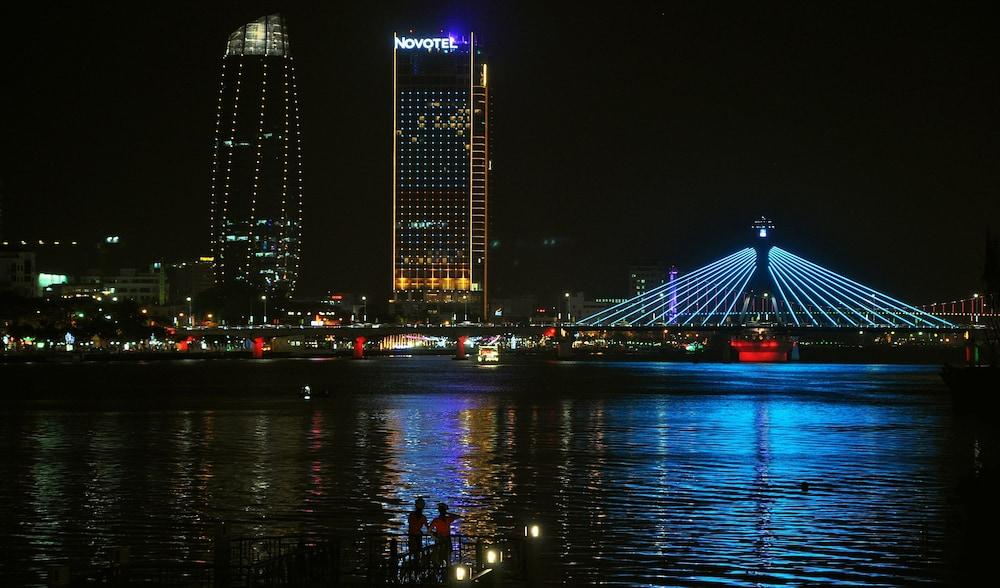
x=757 y=292
x=672 y=293
x=440 y=177
x=257 y=162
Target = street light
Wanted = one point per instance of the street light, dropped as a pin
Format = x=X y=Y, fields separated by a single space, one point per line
x=190 y=312
x=364 y=306
x=264 y=298
x=465 y=300
x=567 y=306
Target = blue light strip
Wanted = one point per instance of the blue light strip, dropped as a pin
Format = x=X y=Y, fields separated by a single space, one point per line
x=877 y=298
x=846 y=294
x=796 y=280
x=612 y=314
x=916 y=313
x=746 y=279
x=695 y=288
x=700 y=288
x=822 y=293
x=774 y=279
x=781 y=279
x=705 y=289
x=781 y=275
x=621 y=306
x=692 y=287
x=729 y=285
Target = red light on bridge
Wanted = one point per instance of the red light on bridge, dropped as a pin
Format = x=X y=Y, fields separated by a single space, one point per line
x=741 y=344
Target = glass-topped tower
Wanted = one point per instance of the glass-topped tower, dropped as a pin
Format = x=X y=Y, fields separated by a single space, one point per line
x=440 y=177
x=257 y=162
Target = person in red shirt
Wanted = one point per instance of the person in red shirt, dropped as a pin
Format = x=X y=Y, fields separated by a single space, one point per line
x=441 y=529
x=415 y=523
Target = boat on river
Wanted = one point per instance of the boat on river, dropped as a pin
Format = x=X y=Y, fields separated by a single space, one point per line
x=488 y=354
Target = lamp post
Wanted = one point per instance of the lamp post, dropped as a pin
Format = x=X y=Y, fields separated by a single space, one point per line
x=364 y=309
x=566 y=295
x=465 y=300
x=190 y=312
x=264 y=298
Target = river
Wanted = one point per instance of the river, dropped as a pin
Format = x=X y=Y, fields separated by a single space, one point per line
x=639 y=473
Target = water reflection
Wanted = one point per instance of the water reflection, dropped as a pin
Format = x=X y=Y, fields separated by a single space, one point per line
x=642 y=473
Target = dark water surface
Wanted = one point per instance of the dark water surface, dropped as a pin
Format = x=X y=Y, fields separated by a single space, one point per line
x=641 y=473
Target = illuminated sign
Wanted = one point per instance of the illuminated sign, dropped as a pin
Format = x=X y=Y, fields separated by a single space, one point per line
x=431 y=44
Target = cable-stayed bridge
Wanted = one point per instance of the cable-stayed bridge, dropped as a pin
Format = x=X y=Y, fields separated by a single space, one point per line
x=765 y=285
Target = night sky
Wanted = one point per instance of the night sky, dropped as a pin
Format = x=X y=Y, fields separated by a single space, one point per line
x=632 y=134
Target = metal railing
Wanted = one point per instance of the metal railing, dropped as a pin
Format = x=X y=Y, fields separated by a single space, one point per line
x=289 y=560
x=394 y=560
x=323 y=560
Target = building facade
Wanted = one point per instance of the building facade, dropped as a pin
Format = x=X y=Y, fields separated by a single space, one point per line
x=257 y=162
x=440 y=178
x=19 y=274
x=642 y=278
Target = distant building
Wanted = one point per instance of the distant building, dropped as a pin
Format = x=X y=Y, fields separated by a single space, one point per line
x=61 y=268
x=581 y=306
x=257 y=162
x=144 y=287
x=187 y=278
x=515 y=309
x=19 y=274
x=642 y=278
x=440 y=178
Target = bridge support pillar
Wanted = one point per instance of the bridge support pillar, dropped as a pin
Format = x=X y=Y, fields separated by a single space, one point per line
x=460 y=352
x=257 y=351
x=971 y=351
x=359 y=348
x=564 y=347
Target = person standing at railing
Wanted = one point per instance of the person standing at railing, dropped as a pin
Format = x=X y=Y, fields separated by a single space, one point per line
x=415 y=523
x=441 y=528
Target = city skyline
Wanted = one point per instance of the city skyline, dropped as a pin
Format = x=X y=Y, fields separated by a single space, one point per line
x=718 y=135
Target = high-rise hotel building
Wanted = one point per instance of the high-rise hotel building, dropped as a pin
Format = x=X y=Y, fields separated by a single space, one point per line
x=257 y=162
x=440 y=177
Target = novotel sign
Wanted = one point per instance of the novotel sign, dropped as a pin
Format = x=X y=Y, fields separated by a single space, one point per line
x=431 y=44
